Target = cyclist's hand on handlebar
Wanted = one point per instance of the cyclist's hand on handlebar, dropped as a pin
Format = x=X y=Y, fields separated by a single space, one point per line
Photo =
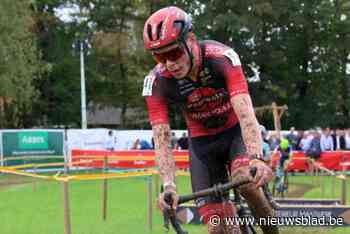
x=263 y=173
x=168 y=199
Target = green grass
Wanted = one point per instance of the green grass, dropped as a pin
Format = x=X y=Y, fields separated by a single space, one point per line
x=323 y=187
x=23 y=211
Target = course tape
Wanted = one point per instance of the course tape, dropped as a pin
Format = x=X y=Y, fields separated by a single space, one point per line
x=22 y=173
x=129 y=158
x=66 y=178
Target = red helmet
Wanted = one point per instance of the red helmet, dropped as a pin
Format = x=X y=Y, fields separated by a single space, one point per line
x=166 y=27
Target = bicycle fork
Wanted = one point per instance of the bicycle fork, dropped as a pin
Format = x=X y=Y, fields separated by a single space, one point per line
x=246 y=228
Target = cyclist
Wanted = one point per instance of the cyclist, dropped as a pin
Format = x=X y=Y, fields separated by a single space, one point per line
x=204 y=79
x=285 y=151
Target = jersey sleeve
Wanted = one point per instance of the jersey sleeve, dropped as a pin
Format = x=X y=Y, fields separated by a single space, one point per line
x=157 y=110
x=156 y=103
x=233 y=73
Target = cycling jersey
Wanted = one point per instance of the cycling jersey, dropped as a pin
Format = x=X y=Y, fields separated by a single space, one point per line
x=205 y=102
x=284 y=155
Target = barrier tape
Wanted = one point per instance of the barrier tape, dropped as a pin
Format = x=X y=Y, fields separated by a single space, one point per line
x=38 y=165
x=113 y=175
x=15 y=172
x=61 y=177
x=129 y=158
x=31 y=157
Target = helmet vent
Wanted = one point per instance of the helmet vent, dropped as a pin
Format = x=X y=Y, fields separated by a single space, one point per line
x=149 y=32
x=159 y=29
x=178 y=24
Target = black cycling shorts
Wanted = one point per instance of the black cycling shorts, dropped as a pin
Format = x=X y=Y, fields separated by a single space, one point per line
x=210 y=158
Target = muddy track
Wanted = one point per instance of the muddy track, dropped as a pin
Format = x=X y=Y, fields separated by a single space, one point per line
x=7 y=181
x=300 y=190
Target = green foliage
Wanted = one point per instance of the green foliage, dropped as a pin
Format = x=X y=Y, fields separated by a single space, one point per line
x=300 y=49
x=20 y=64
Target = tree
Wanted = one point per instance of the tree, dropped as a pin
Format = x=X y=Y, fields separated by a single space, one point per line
x=116 y=61
x=59 y=102
x=20 y=64
x=300 y=48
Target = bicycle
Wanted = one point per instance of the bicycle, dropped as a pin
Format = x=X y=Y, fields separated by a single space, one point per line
x=281 y=181
x=218 y=190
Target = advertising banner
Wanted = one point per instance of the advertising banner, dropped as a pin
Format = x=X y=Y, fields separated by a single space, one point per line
x=38 y=142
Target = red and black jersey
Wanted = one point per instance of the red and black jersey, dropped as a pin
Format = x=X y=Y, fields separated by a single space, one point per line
x=205 y=103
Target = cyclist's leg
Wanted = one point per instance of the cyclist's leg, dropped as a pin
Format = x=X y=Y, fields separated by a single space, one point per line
x=279 y=180
x=256 y=199
x=207 y=169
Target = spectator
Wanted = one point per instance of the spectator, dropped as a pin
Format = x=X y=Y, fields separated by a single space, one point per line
x=334 y=138
x=110 y=141
x=152 y=142
x=136 y=144
x=183 y=142
x=273 y=141
x=173 y=140
x=340 y=143
x=292 y=138
x=326 y=140
x=314 y=151
x=141 y=145
x=299 y=136
x=347 y=139
x=305 y=141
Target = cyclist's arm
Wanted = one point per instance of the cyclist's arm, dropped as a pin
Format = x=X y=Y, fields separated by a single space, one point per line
x=242 y=104
x=158 y=115
x=164 y=155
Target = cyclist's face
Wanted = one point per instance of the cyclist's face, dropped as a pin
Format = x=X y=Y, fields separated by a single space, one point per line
x=176 y=60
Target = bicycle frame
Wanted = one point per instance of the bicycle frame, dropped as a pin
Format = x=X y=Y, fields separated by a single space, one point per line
x=218 y=190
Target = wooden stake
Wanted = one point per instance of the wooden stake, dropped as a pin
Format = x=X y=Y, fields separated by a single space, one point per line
x=149 y=203
x=156 y=182
x=277 y=112
x=322 y=175
x=105 y=190
x=343 y=191
x=34 y=180
x=333 y=186
x=67 y=223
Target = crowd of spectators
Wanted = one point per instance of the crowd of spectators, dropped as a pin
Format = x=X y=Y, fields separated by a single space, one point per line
x=175 y=143
x=313 y=142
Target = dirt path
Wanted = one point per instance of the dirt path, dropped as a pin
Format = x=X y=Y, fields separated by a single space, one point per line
x=299 y=190
x=13 y=180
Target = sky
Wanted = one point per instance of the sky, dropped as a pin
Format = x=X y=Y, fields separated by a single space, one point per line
x=65 y=12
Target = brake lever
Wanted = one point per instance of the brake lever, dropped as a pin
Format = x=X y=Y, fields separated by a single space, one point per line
x=266 y=191
x=170 y=214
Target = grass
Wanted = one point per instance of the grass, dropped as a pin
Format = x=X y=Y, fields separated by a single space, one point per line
x=23 y=211
x=325 y=187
